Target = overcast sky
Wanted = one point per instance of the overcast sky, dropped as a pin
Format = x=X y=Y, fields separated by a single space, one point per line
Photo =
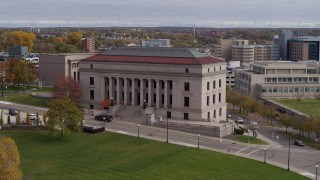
x=210 y=13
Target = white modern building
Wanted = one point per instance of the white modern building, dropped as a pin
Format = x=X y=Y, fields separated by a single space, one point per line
x=279 y=79
x=176 y=83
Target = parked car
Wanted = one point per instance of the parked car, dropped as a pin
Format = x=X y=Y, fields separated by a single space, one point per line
x=12 y=112
x=32 y=117
x=229 y=115
x=298 y=143
x=103 y=117
x=239 y=120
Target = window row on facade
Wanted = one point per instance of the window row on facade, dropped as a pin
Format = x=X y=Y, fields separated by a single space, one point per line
x=291 y=90
x=292 y=80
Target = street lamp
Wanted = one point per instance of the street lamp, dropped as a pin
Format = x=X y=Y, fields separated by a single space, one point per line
x=289 y=152
x=167 y=128
x=144 y=104
x=265 y=155
x=138 y=130
x=317 y=172
x=198 y=140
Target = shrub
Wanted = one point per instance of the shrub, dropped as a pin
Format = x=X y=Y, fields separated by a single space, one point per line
x=239 y=131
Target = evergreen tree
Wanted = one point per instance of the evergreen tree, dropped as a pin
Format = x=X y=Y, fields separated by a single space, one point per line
x=18 y=119
x=28 y=119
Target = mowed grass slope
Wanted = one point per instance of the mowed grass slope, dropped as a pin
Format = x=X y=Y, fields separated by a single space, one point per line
x=307 y=106
x=113 y=156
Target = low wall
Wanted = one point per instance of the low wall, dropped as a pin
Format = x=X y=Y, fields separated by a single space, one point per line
x=208 y=130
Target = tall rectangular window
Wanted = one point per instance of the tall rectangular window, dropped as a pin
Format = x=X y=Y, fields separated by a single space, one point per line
x=219 y=97
x=187 y=70
x=91 y=80
x=214 y=99
x=186 y=101
x=208 y=86
x=162 y=99
x=170 y=84
x=209 y=115
x=170 y=100
x=214 y=84
x=91 y=94
x=207 y=100
x=186 y=86
x=214 y=113
x=220 y=112
x=154 y=98
x=168 y=114
x=155 y=84
x=185 y=116
x=219 y=83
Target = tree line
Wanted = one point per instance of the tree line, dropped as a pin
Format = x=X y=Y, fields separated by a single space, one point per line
x=246 y=104
x=17 y=72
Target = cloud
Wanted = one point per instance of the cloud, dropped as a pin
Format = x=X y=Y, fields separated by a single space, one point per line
x=250 y=13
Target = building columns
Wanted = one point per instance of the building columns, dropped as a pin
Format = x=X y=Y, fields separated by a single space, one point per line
x=149 y=92
x=158 y=93
x=126 y=91
x=133 y=92
x=166 y=94
x=111 y=88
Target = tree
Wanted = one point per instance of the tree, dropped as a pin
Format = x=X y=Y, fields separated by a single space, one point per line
x=66 y=86
x=316 y=125
x=286 y=120
x=8 y=120
x=44 y=117
x=74 y=38
x=1 y=118
x=18 y=119
x=24 y=39
x=3 y=67
x=28 y=119
x=37 y=119
x=9 y=159
x=10 y=76
x=64 y=116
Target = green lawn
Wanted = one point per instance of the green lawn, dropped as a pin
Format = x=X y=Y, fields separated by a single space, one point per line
x=248 y=139
x=113 y=156
x=26 y=98
x=307 y=106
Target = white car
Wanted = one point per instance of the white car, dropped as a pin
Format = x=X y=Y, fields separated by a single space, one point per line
x=32 y=117
x=239 y=120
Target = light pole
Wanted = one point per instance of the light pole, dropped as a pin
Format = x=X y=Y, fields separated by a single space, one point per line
x=138 y=130
x=265 y=155
x=198 y=140
x=317 y=172
x=167 y=129
x=289 y=152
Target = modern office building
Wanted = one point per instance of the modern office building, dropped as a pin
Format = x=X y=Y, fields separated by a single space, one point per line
x=279 y=79
x=283 y=38
x=18 y=52
x=177 y=83
x=156 y=43
x=53 y=66
x=244 y=54
x=304 y=48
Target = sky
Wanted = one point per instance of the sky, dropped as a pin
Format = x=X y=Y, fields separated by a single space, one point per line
x=135 y=13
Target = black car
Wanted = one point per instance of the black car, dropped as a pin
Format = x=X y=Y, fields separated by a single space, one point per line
x=102 y=117
x=12 y=112
x=298 y=143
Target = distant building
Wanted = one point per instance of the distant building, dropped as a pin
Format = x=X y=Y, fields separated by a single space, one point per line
x=279 y=79
x=88 y=44
x=18 y=52
x=304 y=48
x=283 y=38
x=53 y=66
x=224 y=48
x=156 y=43
x=247 y=54
x=230 y=78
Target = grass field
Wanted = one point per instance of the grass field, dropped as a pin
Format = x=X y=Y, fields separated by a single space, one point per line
x=113 y=156
x=307 y=106
x=26 y=98
x=248 y=139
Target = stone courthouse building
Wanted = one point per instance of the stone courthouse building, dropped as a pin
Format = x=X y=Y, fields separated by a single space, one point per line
x=177 y=83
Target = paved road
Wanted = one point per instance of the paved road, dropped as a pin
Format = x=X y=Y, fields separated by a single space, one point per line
x=302 y=159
